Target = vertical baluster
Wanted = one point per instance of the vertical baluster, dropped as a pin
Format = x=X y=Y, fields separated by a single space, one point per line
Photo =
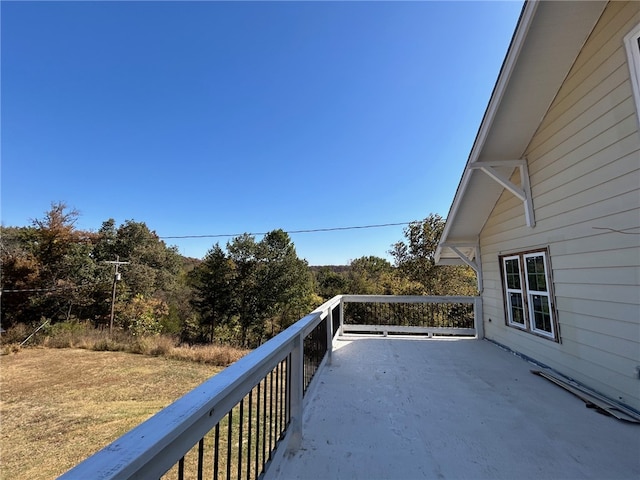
x=270 y=412
x=250 y=429
x=283 y=398
x=314 y=352
x=446 y=311
x=287 y=412
x=416 y=314
x=257 y=459
x=304 y=372
x=276 y=423
x=200 y=457
x=216 y=451
x=229 y=434
x=181 y=469
x=264 y=423
x=240 y=428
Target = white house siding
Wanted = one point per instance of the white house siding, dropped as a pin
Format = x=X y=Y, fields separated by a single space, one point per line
x=584 y=165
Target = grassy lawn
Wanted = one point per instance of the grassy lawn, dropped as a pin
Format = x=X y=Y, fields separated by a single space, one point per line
x=58 y=406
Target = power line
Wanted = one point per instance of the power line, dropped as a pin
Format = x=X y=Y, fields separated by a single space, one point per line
x=40 y=289
x=53 y=289
x=311 y=230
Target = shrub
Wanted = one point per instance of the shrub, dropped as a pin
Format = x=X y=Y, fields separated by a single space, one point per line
x=66 y=334
x=141 y=315
x=16 y=334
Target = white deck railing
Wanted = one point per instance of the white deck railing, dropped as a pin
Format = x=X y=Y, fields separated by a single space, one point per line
x=422 y=315
x=259 y=397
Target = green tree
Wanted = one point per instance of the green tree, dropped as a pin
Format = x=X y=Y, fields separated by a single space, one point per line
x=366 y=275
x=372 y=275
x=153 y=272
x=415 y=258
x=212 y=282
x=20 y=273
x=105 y=245
x=141 y=316
x=330 y=283
x=153 y=266
x=271 y=285
x=243 y=251
x=285 y=281
x=65 y=267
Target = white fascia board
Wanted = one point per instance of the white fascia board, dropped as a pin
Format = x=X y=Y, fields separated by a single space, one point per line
x=526 y=19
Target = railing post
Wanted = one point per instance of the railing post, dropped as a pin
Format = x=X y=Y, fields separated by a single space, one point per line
x=341 y=316
x=329 y=321
x=297 y=389
x=478 y=317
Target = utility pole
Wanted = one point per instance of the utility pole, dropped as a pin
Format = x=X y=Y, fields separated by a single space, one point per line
x=116 y=278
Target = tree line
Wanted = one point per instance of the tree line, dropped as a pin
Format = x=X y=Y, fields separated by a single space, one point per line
x=241 y=293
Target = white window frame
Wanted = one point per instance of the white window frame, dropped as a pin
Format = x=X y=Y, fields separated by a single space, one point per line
x=509 y=291
x=547 y=294
x=632 y=45
x=527 y=294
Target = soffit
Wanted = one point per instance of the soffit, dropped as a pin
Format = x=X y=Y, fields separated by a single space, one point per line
x=546 y=43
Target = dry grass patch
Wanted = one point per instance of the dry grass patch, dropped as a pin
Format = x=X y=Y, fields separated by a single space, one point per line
x=212 y=354
x=58 y=406
x=84 y=336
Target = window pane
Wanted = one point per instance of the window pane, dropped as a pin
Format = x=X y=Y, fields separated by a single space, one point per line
x=541 y=315
x=538 y=282
x=517 y=309
x=513 y=273
x=535 y=274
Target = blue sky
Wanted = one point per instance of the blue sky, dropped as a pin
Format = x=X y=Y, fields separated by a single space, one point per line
x=208 y=118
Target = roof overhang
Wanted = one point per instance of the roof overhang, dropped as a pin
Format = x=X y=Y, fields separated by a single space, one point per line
x=546 y=42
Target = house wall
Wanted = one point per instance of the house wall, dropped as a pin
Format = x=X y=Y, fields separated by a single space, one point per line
x=584 y=165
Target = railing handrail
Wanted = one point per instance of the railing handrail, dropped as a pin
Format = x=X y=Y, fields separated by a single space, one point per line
x=153 y=447
x=139 y=452
x=407 y=299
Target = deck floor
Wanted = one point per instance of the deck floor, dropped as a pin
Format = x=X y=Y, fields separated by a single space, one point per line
x=416 y=408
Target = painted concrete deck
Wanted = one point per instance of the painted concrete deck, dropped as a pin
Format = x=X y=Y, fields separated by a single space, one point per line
x=410 y=409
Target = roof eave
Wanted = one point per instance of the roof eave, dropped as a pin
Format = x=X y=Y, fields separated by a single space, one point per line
x=522 y=27
x=520 y=73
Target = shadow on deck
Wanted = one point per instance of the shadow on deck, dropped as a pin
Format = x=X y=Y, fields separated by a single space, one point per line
x=406 y=408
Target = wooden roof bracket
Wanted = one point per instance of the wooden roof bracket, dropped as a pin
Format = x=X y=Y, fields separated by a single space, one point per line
x=475 y=264
x=523 y=192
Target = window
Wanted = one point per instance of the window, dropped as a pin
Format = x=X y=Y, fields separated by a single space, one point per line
x=632 y=44
x=513 y=285
x=528 y=297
